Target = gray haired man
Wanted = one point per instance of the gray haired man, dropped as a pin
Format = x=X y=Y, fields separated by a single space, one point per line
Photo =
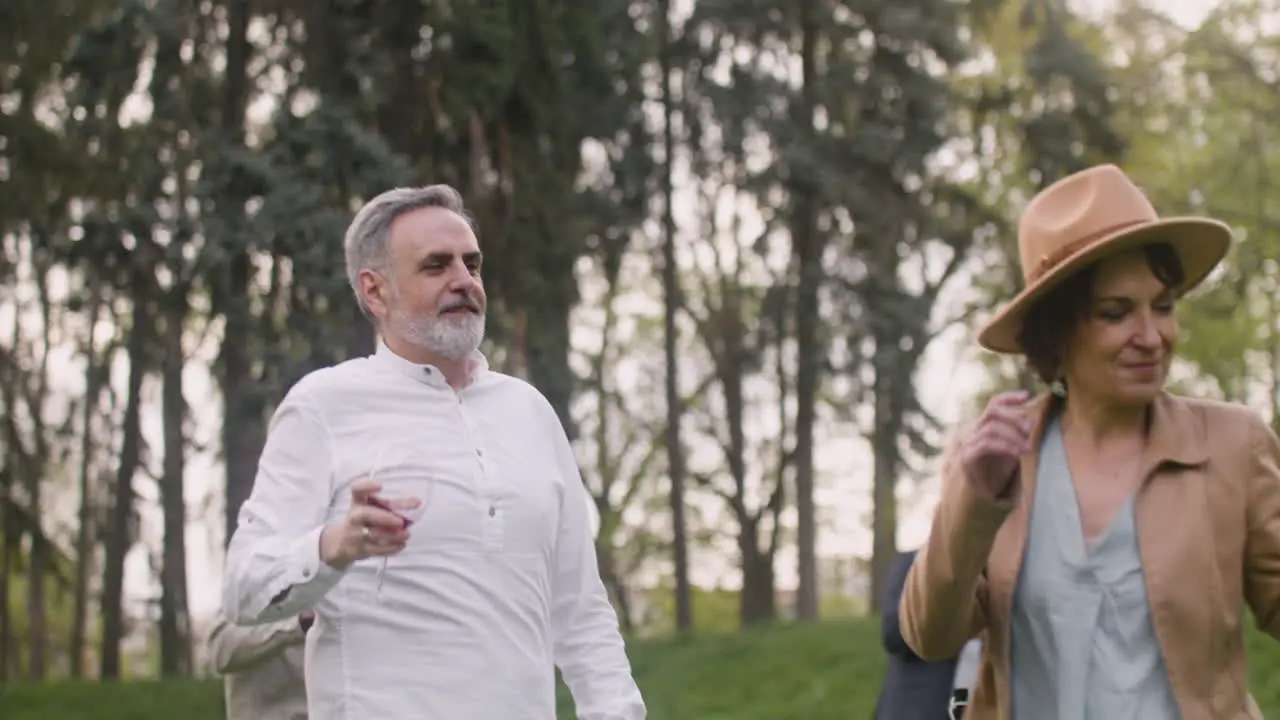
x=468 y=611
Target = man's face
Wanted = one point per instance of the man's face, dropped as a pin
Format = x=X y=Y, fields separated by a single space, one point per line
x=433 y=298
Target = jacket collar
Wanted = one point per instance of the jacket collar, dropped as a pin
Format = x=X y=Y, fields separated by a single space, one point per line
x=1176 y=432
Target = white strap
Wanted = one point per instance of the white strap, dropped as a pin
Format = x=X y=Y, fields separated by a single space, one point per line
x=968 y=665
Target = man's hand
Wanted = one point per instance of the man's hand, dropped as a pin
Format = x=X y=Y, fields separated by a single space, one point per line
x=367 y=531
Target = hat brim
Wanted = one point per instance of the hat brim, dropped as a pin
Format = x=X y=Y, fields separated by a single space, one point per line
x=1201 y=243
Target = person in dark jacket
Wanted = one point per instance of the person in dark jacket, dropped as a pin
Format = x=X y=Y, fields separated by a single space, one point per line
x=913 y=689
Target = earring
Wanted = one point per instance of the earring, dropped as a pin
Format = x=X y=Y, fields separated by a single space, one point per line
x=1058 y=388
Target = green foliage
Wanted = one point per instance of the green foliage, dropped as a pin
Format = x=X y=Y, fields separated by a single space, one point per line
x=716 y=611
x=800 y=672
x=823 y=671
x=189 y=699
x=1205 y=144
x=58 y=620
x=720 y=610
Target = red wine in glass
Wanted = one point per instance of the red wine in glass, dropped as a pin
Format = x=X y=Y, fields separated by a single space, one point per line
x=407 y=486
x=407 y=515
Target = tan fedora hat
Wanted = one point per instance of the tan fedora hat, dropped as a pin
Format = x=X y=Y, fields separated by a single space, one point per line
x=1083 y=218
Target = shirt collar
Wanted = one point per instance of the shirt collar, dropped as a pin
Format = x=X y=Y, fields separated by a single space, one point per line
x=385 y=357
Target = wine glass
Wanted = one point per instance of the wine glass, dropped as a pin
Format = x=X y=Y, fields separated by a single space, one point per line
x=406 y=487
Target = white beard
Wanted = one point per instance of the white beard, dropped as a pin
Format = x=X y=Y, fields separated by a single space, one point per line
x=453 y=337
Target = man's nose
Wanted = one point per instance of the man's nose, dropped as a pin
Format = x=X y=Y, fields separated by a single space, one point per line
x=461 y=279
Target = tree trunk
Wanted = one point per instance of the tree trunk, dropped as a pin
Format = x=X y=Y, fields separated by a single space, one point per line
x=119 y=538
x=884 y=447
x=892 y=323
x=40 y=559
x=85 y=551
x=37 y=569
x=758 y=600
x=671 y=298
x=242 y=423
x=10 y=532
x=614 y=581
x=175 y=651
x=8 y=549
x=808 y=248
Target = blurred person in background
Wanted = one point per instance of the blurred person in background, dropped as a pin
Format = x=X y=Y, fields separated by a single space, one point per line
x=1107 y=537
x=262 y=667
x=495 y=584
x=913 y=688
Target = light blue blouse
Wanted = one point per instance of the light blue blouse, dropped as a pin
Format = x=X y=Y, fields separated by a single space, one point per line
x=1082 y=641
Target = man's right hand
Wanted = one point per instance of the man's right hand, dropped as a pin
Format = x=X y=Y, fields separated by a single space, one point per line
x=365 y=532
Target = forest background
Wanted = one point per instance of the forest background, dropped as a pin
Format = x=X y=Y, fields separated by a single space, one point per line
x=790 y=217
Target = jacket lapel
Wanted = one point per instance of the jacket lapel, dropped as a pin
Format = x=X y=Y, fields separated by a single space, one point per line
x=1170 y=494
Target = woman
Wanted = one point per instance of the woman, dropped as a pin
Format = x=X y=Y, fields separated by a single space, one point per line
x=1106 y=537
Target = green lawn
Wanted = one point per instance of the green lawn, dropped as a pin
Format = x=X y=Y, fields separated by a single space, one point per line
x=819 y=672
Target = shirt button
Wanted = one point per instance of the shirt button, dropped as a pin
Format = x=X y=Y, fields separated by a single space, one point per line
x=492 y=511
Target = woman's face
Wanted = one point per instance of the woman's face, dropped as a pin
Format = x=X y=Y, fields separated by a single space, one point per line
x=1122 y=347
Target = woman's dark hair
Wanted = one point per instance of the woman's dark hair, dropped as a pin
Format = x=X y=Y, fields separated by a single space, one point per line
x=1050 y=321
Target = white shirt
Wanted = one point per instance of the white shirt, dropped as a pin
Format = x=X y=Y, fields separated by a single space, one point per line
x=263 y=669
x=498 y=584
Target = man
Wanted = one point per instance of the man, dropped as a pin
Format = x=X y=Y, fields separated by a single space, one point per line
x=496 y=584
x=913 y=689
x=263 y=668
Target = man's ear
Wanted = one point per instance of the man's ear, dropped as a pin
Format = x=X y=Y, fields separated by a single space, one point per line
x=374 y=290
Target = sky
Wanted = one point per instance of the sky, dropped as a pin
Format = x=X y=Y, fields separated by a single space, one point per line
x=947 y=379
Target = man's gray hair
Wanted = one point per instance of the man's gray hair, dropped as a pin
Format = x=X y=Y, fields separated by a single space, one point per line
x=369 y=234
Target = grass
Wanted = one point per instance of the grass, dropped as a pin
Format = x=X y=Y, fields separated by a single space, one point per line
x=811 y=672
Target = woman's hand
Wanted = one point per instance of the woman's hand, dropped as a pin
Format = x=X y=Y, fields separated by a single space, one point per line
x=990 y=455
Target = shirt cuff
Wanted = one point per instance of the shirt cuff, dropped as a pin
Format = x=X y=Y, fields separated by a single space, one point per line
x=304 y=581
x=307 y=563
